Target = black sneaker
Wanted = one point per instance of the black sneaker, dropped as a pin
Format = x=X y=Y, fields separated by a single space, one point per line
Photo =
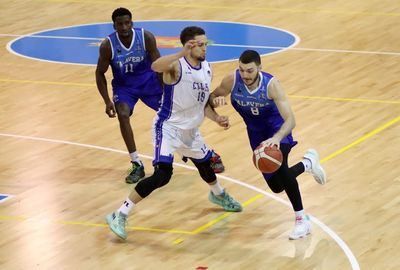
x=135 y=173
x=216 y=163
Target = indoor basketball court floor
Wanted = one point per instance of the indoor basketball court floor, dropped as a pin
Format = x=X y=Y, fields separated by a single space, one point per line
x=63 y=161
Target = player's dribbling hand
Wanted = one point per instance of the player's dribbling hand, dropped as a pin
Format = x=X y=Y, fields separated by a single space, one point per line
x=219 y=101
x=110 y=109
x=223 y=121
x=271 y=142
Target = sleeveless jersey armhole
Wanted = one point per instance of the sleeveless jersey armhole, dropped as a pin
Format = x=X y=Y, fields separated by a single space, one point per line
x=144 y=41
x=267 y=88
x=234 y=81
x=112 y=48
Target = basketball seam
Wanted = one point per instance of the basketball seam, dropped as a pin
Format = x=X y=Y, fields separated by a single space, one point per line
x=272 y=159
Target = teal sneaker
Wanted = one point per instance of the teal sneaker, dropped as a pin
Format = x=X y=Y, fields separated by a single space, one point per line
x=226 y=201
x=116 y=222
x=135 y=173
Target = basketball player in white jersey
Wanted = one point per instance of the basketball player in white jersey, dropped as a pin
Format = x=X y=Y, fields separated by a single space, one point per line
x=187 y=81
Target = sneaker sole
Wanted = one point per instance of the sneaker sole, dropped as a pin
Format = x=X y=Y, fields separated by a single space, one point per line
x=303 y=236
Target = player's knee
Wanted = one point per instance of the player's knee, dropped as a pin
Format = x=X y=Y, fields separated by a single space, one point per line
x=123 y=111
x=123 y=116
x=161 y=176
x=205 y=170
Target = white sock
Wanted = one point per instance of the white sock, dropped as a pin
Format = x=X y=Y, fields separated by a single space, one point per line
x=299 y=214
x=217 y=189
x=307 y=164
x=135 y=157
x=126 y=207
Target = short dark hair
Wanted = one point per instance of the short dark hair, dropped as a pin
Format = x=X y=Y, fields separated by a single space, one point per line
x=120 y=12
x=250 y=56
x=190 y=32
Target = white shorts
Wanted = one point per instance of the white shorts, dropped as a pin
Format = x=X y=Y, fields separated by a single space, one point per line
x=168 y=139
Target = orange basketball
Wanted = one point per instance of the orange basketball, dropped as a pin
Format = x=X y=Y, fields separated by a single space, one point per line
x=267 y=159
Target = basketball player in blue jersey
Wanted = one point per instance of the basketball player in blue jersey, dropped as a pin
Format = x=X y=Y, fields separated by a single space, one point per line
x=187 y=79
x=130 y=53
x=259 y=98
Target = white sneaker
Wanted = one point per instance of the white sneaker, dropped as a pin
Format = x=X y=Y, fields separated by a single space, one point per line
x=316 y=169
x=301 y=229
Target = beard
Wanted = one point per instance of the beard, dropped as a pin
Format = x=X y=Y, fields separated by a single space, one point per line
x=252 y=82
x=201 y=58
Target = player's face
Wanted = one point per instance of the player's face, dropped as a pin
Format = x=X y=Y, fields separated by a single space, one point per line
x=199 y=51
x=123 y=25
x=249 y=72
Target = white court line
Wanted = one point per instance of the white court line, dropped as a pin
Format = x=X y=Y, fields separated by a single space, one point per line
x=7 y=198
x=352 y=259
x=226 y=45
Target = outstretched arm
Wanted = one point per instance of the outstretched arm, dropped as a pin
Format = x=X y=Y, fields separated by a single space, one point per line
x=217 y=97
x=101 y=82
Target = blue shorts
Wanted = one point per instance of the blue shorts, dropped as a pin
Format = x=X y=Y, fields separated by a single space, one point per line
x=149 y=93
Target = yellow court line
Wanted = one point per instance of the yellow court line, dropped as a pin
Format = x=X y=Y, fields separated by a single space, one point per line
x=230 y=7
x=225 y=215
x=12 y=218
x=290 y=96
x=216 y=220
x=129 y=228
x=336 y=153
x=347 y=99
x=363 y=138
x=48 y=82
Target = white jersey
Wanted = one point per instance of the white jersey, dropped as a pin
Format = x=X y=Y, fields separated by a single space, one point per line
x=183 y=103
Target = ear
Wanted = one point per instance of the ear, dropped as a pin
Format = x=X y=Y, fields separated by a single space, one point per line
x=259 y=68
x=114 y=26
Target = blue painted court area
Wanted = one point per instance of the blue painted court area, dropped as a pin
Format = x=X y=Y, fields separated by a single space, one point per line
x=80 y=44
x=3 y=197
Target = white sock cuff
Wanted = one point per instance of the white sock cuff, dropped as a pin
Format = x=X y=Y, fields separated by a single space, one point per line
x=134 y=156
x=299 y=213
x=217 y=189
x=126 y=207
x=307 y=164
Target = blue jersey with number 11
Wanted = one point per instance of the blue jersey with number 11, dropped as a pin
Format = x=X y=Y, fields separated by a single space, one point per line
x=131 y=66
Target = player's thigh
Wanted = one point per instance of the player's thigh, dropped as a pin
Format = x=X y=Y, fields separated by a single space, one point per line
x=153 y=101
x=197 y=149
x=165 y=142
x=124 y=100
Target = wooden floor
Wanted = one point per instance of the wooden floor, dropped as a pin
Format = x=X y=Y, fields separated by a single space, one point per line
x=343 y=83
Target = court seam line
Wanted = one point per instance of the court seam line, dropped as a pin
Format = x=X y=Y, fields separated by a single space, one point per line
x=352 y=259
x=291 y=96
x=241 y=8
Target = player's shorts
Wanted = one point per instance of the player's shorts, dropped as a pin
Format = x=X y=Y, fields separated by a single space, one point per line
x=150 y=93
x=258 y=136
x=168 y=139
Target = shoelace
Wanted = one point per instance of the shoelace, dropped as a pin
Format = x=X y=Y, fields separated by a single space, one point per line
x=121 y=220
x=134 y=168
x=231 y=201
